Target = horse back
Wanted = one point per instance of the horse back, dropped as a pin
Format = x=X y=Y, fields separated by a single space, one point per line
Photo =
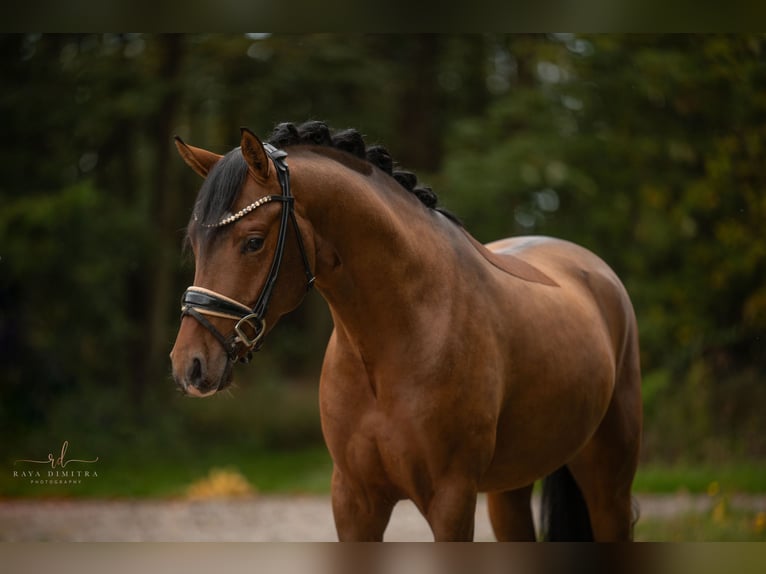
x=578 y=272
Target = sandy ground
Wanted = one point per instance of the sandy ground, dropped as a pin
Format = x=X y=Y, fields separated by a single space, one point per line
x=263 y=518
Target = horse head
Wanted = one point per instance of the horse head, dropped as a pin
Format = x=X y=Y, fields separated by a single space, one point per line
x=250 y=267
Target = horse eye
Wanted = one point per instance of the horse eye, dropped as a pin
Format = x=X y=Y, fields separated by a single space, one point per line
x=252 y=244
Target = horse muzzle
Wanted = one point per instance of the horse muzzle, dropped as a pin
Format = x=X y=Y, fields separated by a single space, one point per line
x=197 y=377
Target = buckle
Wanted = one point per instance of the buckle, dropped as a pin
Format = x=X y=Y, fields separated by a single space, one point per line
x=260 y=330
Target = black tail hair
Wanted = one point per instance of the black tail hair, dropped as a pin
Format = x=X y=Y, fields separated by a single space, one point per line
x=564 y=515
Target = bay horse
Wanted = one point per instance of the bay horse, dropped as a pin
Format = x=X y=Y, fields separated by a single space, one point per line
x=453 y=368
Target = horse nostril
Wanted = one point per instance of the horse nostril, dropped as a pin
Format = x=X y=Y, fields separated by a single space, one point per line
x=195 y=372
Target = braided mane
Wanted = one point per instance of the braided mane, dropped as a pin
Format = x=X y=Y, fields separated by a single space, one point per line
x=351 y=141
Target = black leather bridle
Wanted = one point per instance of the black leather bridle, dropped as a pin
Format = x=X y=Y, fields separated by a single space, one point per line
x=199 y=302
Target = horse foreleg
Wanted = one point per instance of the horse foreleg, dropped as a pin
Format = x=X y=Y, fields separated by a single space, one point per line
x=510 y=513
x=452 y=511
x=361 y=514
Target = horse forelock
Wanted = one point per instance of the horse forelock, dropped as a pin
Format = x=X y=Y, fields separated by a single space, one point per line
x=218 y=194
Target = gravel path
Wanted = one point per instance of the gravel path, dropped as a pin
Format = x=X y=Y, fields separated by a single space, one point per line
x=263 y=518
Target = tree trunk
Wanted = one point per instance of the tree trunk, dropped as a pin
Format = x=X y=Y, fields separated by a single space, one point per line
x=420 y=105
x=165 y=213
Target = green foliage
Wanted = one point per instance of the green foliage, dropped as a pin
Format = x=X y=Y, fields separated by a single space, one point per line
x=66 y=328
x=697 y=478
x=259 y=413
x=734 y=526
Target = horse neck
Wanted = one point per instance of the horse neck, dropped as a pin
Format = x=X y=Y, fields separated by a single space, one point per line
x=381 y=255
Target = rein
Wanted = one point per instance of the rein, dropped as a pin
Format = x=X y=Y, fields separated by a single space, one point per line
x=199 y=302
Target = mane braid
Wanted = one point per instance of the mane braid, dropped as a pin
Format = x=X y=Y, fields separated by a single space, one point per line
x=317 y=133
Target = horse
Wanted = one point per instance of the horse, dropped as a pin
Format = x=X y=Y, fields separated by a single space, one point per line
x=453 y=368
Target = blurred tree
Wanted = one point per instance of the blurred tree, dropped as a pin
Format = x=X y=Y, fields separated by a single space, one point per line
x=680 y=122
x=104 y=171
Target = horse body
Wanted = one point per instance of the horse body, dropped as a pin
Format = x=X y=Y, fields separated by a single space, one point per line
x=526 y=371
x=446 y=376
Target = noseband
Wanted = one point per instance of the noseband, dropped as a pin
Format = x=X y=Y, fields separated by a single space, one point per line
x=250 y=324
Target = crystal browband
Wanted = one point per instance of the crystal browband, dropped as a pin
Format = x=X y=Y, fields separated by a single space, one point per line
x=240 y=214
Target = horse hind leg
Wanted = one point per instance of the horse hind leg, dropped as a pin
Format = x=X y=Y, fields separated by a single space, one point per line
x=605 y=467
x=606 y=489
x=510 y=514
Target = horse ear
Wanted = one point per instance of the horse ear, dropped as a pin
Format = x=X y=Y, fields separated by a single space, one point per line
x=198 y=159
x=254 y=154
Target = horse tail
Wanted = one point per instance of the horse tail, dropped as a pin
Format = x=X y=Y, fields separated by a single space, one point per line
x=564 y=515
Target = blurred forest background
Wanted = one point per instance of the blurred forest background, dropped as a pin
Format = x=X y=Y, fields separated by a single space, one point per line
x=649 y=150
